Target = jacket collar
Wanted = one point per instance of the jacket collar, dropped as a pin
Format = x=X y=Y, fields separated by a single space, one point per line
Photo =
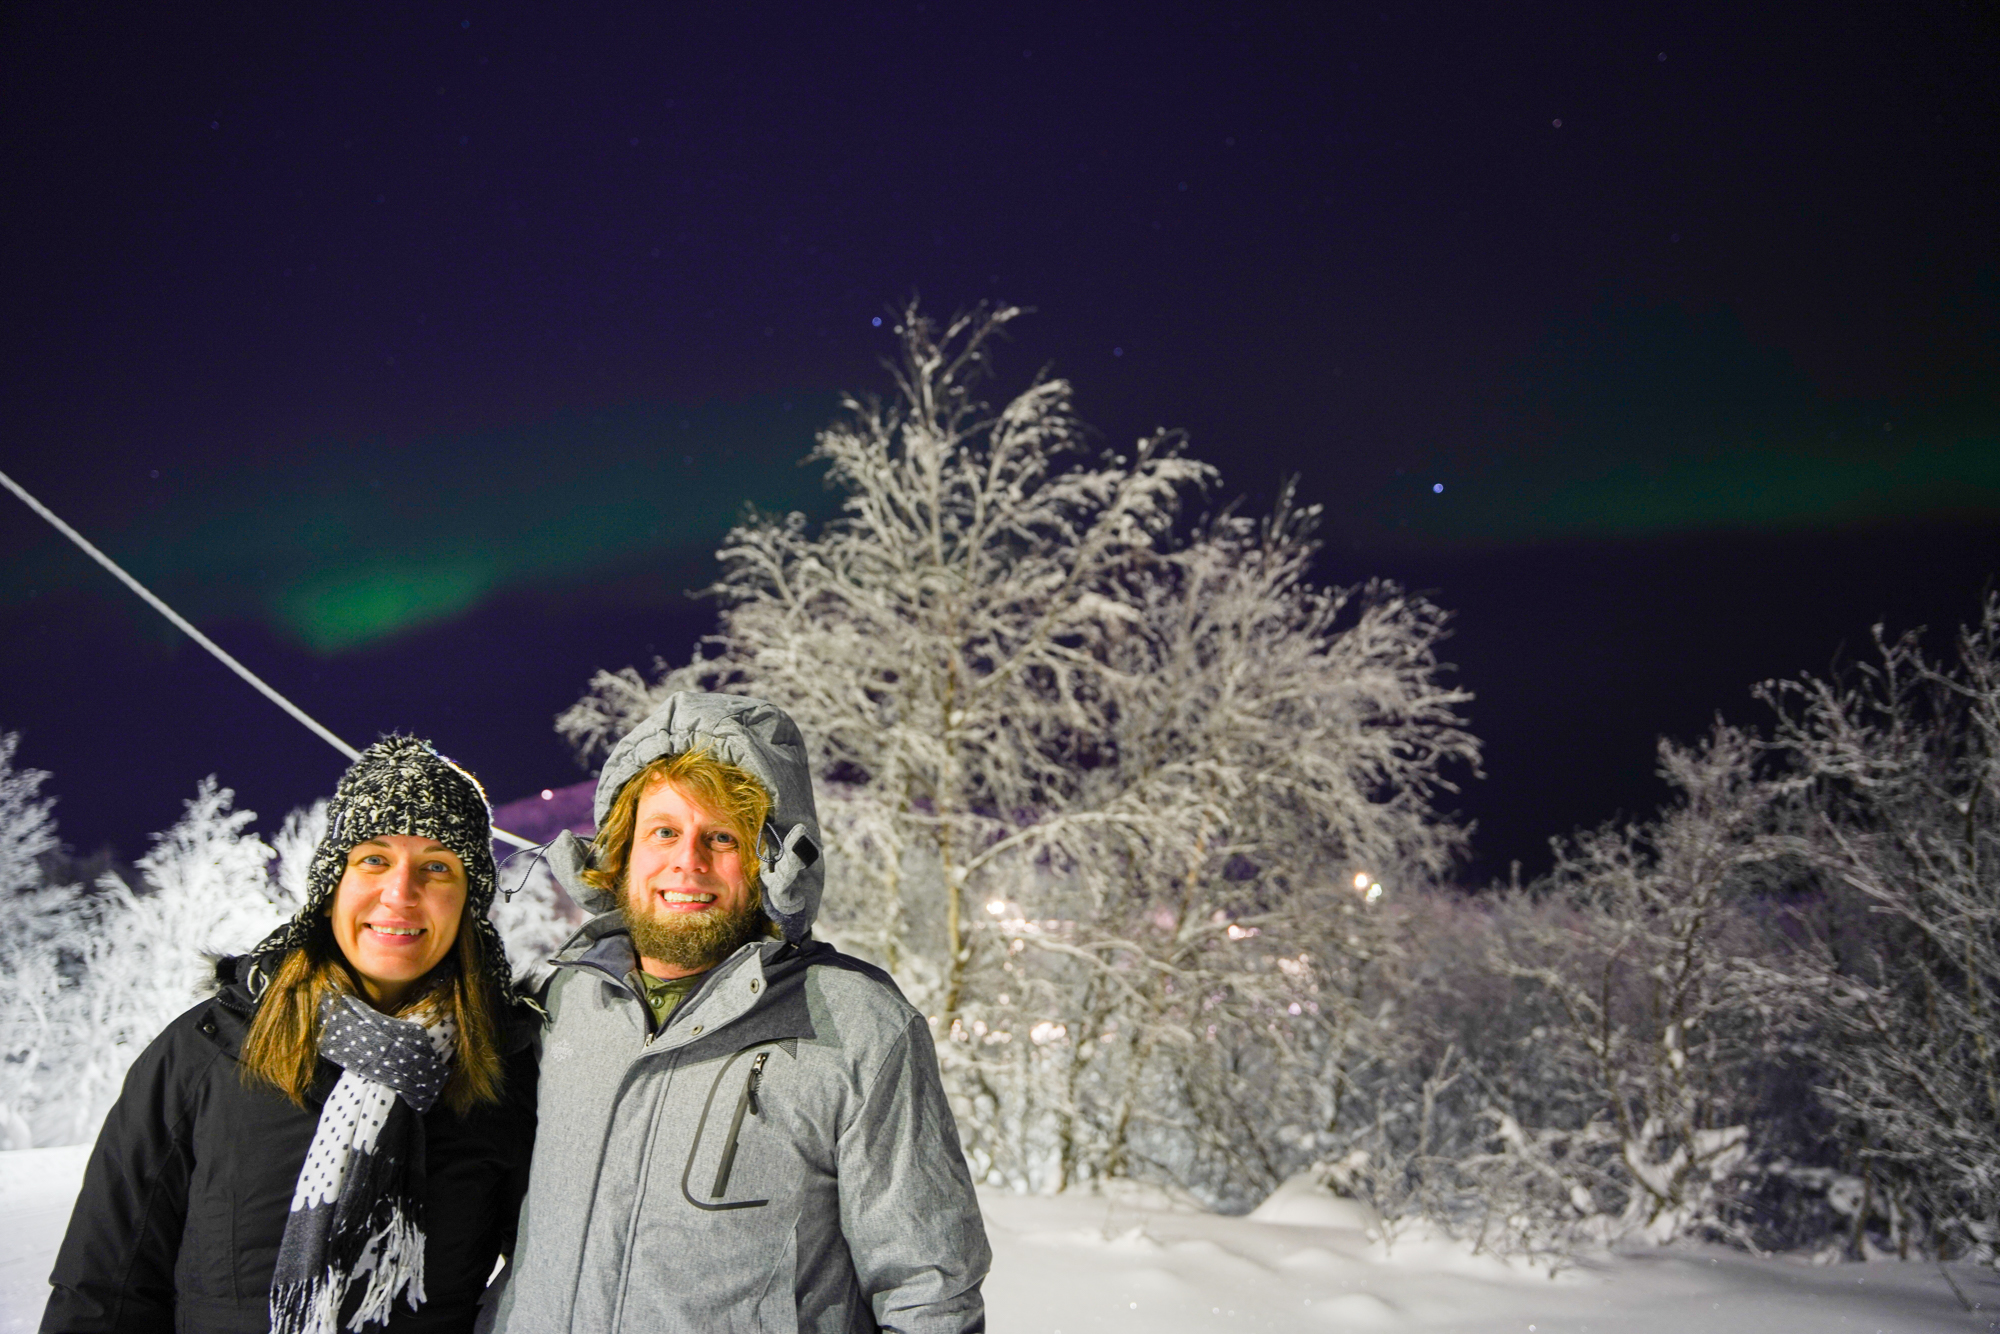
x=754 y=996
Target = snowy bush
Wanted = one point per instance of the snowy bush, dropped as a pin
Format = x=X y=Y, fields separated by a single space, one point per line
x=1895 y=774
x=1664 y=994
x=1766 y=1015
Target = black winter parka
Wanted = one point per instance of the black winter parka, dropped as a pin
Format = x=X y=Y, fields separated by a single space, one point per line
x=186 y=1192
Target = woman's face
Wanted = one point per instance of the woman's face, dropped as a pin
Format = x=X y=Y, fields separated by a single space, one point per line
x=396 y=912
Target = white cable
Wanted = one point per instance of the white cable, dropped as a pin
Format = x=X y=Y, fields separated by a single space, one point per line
x=221 y=654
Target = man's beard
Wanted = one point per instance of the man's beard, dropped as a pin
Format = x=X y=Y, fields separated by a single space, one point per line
x=694 y=942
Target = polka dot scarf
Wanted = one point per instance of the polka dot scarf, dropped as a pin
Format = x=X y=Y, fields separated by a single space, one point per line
x=357 y=1213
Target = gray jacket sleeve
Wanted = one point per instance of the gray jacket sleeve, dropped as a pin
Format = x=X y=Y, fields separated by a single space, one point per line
x=906 y=1202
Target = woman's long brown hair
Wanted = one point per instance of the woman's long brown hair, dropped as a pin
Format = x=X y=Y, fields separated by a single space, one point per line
x=282 y=1049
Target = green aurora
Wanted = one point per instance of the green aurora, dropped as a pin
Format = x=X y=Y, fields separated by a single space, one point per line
x=1646 y=422
x=1637 y=423
x=340 y=545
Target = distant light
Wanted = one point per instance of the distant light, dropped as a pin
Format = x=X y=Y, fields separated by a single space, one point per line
x=548 y=794
x=1117 y=351
x=1361 y=879
x=877 y=321
x=1558 y=122
x=1374 y=893
x=1437 y=488
x=996 y=907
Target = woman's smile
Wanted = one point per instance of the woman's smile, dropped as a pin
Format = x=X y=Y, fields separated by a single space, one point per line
x=395 y=913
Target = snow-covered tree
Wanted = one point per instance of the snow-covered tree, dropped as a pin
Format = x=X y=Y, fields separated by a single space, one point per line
x=27 y=822
x=1897 y=773
x=300 y=833
x=1089 y=772
x=34 y=921
x=143 y=955
x=1663 y=995
x=1768 y=1012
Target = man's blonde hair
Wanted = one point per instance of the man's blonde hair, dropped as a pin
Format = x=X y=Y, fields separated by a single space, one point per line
x=731 y=794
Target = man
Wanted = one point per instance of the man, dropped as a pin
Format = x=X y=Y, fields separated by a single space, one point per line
x=741 y=1128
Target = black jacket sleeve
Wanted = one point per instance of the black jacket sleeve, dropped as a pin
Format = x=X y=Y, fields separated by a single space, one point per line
x=523 y=1078
x=115 y=1271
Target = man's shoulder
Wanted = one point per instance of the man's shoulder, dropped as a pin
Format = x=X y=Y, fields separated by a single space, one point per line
x=857 y=992
x=830 y=962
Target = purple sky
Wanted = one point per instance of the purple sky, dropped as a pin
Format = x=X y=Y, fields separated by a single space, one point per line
x=422 y=356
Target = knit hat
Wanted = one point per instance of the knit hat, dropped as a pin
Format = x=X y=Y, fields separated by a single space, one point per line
x=400 y=785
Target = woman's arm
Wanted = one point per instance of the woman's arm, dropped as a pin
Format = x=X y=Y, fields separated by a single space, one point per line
x=115 y=1271
x=523 y=1077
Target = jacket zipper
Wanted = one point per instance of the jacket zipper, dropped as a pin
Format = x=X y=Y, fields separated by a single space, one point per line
x=746 y=1103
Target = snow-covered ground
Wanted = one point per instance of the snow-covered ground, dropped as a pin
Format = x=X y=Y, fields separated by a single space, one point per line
x=37 y=1187
x=1080 y=1264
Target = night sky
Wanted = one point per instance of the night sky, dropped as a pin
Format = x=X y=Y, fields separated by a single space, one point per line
x=423 y=355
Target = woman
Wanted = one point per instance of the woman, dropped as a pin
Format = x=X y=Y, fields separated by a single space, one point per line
x=339 y=1138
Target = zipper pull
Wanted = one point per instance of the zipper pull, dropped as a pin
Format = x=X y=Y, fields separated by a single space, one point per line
x=756 y=1076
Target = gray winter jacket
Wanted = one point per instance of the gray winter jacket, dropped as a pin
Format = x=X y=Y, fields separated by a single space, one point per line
x=780 y=1156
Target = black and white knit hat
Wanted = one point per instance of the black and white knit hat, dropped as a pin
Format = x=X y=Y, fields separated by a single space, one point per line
x=400 y=785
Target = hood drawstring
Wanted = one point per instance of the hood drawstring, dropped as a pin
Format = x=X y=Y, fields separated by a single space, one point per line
x=541 y=851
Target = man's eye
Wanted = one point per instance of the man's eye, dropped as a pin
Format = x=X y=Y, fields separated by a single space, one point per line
x=722 y=840
x=665 y=831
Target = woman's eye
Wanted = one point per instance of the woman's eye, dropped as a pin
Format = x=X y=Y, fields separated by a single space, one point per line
x=437 y=868
x=722 y=840
x=665 y=832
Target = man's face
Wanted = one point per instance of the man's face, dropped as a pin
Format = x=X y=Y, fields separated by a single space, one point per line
x=688 y=898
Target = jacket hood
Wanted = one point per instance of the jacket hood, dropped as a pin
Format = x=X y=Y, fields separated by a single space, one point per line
x=757 y=737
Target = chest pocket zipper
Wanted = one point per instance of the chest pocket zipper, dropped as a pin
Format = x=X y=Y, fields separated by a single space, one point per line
x=747 y=1103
